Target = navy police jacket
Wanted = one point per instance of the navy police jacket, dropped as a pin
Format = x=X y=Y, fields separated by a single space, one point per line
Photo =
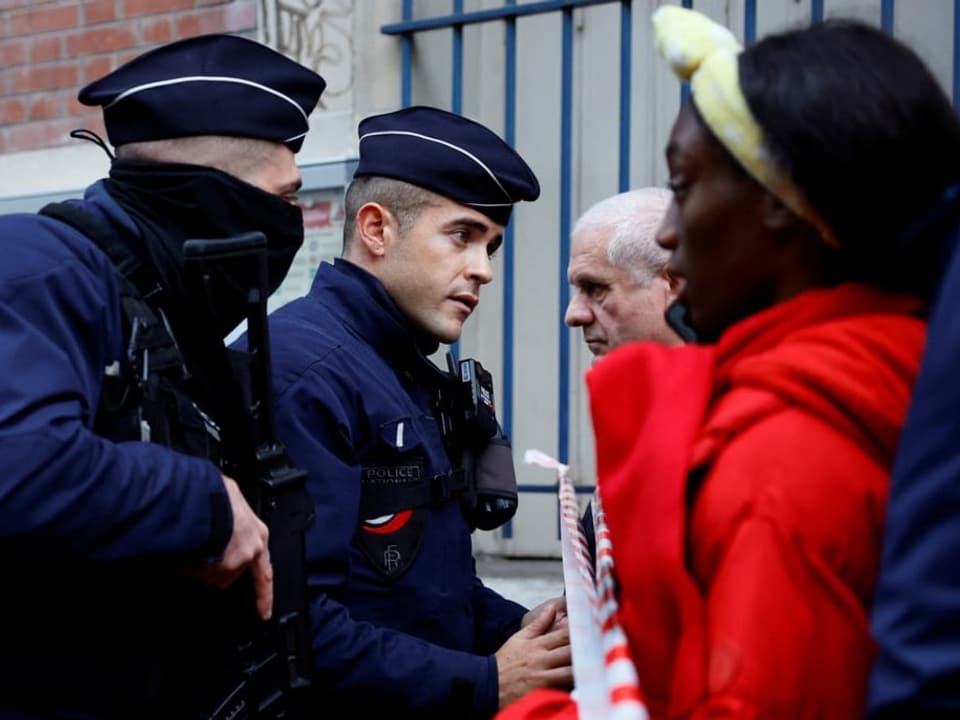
x=92 y=532
x=401 y=623
x=916 y=613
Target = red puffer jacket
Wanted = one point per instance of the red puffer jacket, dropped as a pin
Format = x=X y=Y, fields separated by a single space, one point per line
x=745 y=486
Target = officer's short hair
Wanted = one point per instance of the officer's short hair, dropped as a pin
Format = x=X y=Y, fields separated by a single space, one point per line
x=404 y=200
x=238 y=156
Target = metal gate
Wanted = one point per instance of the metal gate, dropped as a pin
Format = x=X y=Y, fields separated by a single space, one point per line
x=434 y=34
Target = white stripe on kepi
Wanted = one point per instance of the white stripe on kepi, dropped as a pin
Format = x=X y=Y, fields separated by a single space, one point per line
x=207 y=78
x=297 y=136
x=450 y=145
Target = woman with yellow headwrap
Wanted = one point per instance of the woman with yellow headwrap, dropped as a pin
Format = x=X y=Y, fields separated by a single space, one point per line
x=744 y=477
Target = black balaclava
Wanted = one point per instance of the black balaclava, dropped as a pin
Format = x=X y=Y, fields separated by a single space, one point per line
x=172 y=203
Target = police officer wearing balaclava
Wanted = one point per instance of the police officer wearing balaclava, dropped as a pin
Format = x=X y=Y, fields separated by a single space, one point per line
x=119 y=532
x=402 y=626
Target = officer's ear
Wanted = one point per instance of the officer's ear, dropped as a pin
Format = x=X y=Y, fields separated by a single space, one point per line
x=374 y=231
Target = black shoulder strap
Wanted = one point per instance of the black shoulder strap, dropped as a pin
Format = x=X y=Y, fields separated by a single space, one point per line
x=127 y=264
x=146 y=329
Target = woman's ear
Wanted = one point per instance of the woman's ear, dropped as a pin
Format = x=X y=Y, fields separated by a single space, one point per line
x=776 y=215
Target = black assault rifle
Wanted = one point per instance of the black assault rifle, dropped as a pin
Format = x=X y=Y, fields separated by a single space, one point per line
x=275 y=656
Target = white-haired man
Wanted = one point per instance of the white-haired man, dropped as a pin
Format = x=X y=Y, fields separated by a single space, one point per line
x=621 y=288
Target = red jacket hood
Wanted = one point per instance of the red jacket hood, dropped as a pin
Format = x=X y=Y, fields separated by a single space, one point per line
x=854 y=370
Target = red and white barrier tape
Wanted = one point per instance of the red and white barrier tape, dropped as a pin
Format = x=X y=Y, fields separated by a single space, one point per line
x=605 y=679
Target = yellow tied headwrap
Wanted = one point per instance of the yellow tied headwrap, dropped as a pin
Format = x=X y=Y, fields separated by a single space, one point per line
x=705 y=53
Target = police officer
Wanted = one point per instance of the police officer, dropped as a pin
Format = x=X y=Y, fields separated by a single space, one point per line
x=402 y=625
x=117 y=530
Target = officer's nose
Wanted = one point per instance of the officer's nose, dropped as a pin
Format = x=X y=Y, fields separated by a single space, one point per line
x=578 y=312
x=480 y=267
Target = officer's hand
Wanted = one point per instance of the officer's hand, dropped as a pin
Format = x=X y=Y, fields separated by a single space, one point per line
x=560 y=619
x=536 y=656
x=247 y=548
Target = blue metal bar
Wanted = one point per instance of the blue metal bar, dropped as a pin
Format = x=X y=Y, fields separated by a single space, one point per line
x=541 y=489
x=626 y=62
x=456 y=97
x=886 y=16
x=479 y=16
x=406 y=58
x=510 y=135
x=566 y=115
x=816 y=11
x=956 y=54
x=685 y=87
x=749 y=21
x=456 y=91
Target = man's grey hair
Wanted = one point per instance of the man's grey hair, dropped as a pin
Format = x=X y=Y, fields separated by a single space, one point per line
x=633 y=219
x=404 y=200
x=238 y=156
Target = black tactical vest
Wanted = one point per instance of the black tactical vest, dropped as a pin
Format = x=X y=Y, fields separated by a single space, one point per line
x=144 y=393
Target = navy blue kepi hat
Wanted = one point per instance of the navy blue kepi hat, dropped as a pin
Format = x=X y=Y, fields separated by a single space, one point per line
x=449 y=155
x=207 y=85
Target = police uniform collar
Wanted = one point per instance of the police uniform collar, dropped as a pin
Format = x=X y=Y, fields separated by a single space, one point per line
x=368 y=308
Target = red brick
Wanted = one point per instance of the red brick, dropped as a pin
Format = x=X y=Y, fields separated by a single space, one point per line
x=44 y=48
x=124 y=58
x=44 y=77
x=73 y=107
x=12 y=52
x=157 y=31
x=201 y=3
x=41 y=19
x=235 y=17
x=98 y=11
x=46 y=133
x=43 y=107
x=98 y=40
x=12 y=4
x=188 y=25
x=97 y=67
x=3 y=141
x=92 y=122
x=12 y=110
x=153 y=7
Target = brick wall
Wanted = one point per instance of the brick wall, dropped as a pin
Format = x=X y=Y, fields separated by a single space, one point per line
x=49 y=49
